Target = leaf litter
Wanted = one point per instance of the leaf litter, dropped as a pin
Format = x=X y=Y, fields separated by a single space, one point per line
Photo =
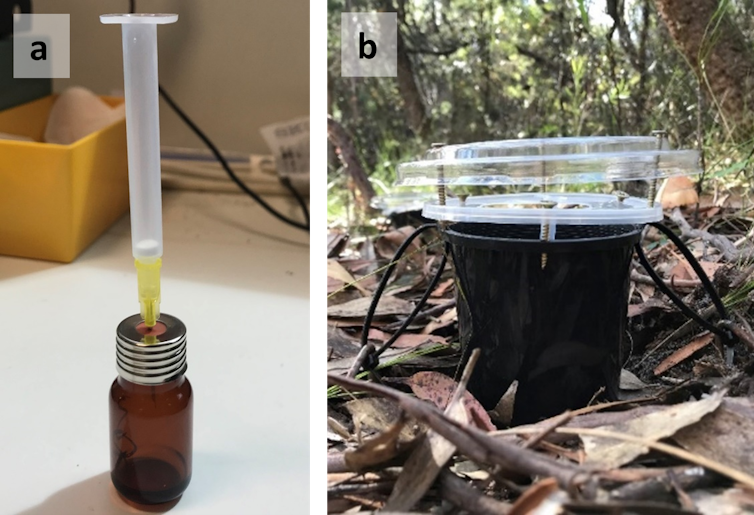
x=681 y=440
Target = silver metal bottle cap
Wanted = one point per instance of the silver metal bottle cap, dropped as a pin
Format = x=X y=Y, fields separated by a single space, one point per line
x=154 y=357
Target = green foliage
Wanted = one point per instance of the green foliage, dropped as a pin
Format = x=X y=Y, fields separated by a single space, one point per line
x=499 y=69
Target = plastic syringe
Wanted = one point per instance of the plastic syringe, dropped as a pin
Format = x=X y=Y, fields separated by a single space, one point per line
x=143 y=134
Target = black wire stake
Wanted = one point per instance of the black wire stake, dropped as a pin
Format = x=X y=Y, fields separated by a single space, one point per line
x=368 y=356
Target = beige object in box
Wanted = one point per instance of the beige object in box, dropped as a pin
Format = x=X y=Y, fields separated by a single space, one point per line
x=57 y=199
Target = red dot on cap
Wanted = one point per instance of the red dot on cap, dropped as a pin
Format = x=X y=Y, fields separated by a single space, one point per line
x=158 y=329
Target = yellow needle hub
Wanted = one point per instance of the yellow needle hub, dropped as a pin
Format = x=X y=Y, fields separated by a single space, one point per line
x=148 y=277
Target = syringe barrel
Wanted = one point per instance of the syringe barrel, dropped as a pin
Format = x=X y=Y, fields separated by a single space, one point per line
x=143 y=129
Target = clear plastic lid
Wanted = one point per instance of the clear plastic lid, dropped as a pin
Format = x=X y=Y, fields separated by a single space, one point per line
x=404 y=202
x=549 y=161
x=547 y=208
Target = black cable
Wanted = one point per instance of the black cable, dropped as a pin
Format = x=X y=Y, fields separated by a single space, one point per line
x=432 y=285
x=301 y=202
x=285 y=181
x=370 y=362
x=228 y=169
x=711 y=291
x=664 y=288
x=675 y=299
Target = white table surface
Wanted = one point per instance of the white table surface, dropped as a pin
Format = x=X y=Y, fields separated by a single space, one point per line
x=239 y=280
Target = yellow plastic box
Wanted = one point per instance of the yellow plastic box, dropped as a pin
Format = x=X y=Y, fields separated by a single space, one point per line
x=57 y=199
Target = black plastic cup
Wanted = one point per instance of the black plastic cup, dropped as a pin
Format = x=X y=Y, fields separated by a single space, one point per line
x=559 y=330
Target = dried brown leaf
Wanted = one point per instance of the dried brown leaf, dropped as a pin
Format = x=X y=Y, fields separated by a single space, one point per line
x=345 y=323
x=709 y=268
x=438 y=389
x=542 y=498
x=406 y=340
x=442 y=288
x=339 y=345
x=334 y=285
x=374 y=414
x=358 y=308
x=388 y=243
x=684 y=352
x=610 y=453
x=680 y=272
x=503 y=411
x=629 y=381
x=336 y=271
x=336 y=242
x=444 y=320
x=639 y=309
x=733 y=501
x=726 y=435
x=646 y=291
x=377 y=450
x=424 y=464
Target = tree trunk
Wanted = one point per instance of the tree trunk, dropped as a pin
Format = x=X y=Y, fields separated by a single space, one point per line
x=331 y=157
x=412 y=97
x=719 y=55
x=350 y=159
x=413 y=101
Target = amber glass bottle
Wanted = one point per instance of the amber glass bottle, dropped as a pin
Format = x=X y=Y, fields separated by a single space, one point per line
x=151 y=412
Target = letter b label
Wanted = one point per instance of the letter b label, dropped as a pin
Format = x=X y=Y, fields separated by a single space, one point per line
x=368 y=44
x=363 y=42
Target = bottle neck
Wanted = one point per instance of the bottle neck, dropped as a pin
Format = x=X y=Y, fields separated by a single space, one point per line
x=130 y=386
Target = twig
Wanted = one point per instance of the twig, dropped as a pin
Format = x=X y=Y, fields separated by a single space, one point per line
x=464 y=382
x=555 y=423
x=612 y=404
x=434 y=310
x=742 y=277
x=381 y=512
x=736 y=475
x=432 y=453
x=623 y=507
x=365 y=351
x=471 y=441
x=683 y=498
x=581 y=418
x=678 y=284
x=688 y=477
x=458 y=492
x=596 y=395
x=742 y=334
x=720 y=242
x=363 y=501
x=633 y=475
x=338 y=428
x=745 y=238
x=359 y=489
x=683 y=330
x=336 y=462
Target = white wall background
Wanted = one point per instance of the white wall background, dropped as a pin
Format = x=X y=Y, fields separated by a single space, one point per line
x=232 y=65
